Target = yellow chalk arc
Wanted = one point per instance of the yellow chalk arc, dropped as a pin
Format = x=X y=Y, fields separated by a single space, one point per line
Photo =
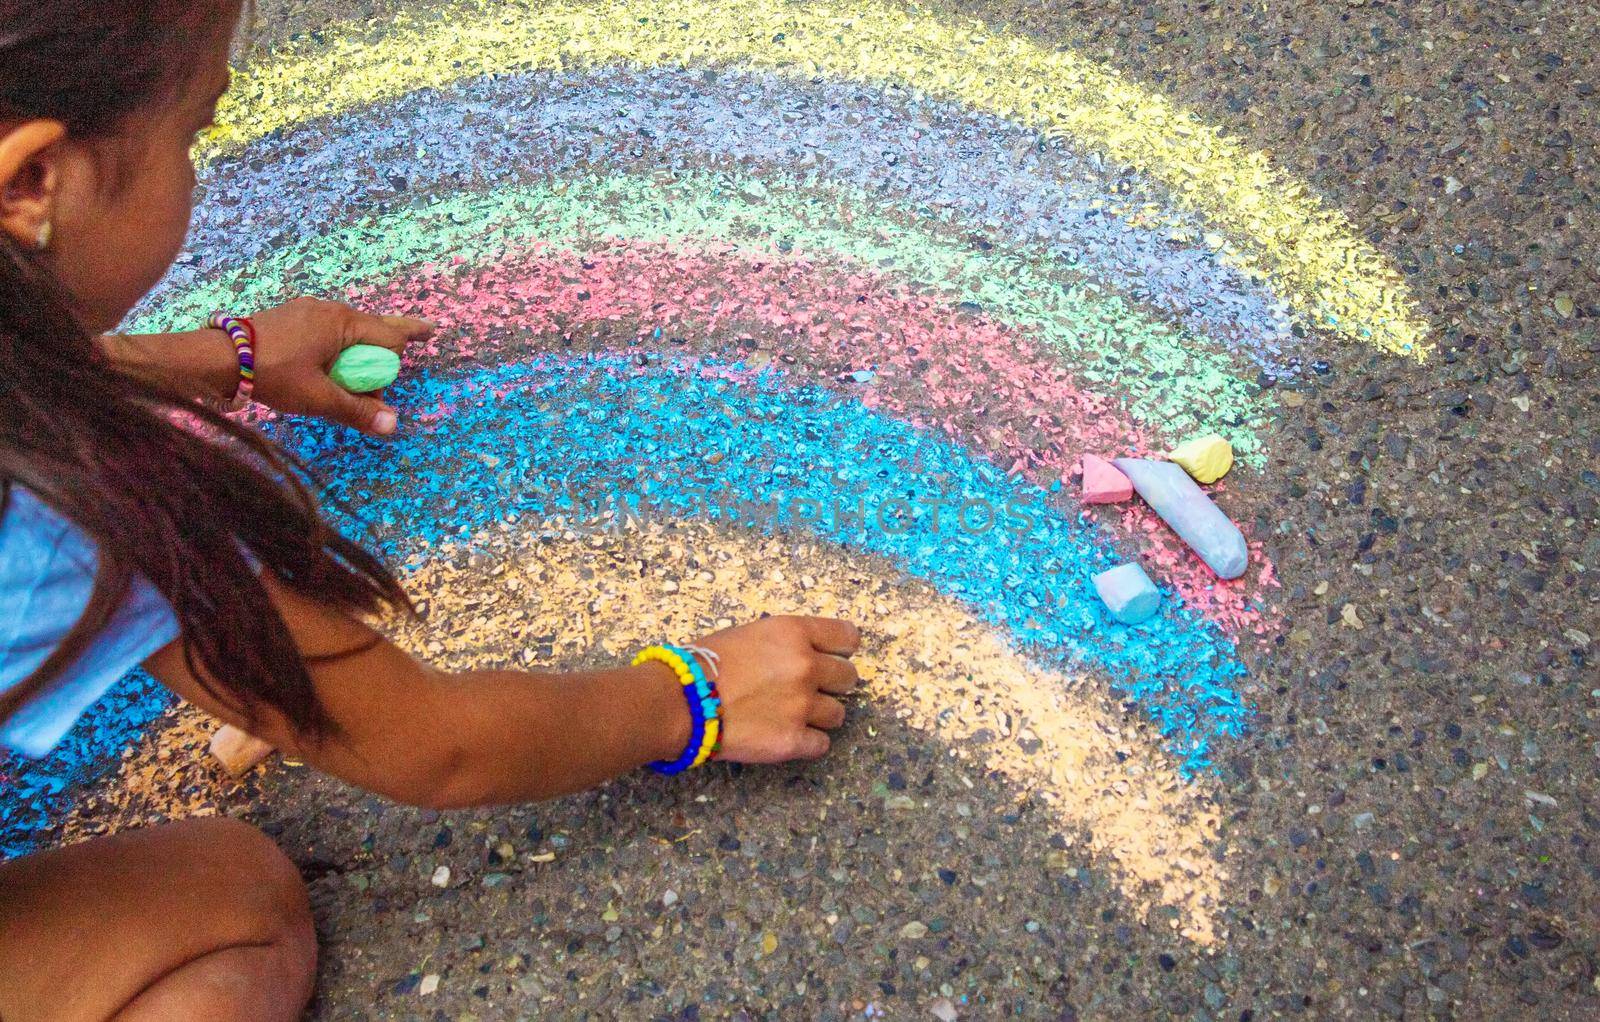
x=1270 y=223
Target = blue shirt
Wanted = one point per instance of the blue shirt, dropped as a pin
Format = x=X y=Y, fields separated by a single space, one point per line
x=47 y=570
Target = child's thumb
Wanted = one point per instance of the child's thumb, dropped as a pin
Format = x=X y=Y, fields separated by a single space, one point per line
x=361 y=411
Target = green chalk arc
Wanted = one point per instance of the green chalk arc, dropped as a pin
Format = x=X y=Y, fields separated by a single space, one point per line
x=1171 y=378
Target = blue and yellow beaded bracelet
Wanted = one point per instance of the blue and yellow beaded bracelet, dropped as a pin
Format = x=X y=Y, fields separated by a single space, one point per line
x=710 y=705
x=705 y=707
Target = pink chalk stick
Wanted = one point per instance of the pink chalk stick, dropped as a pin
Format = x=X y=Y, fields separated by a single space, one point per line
x=1103 y=482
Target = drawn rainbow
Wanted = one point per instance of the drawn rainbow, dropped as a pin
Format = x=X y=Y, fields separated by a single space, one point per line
x=847 y=265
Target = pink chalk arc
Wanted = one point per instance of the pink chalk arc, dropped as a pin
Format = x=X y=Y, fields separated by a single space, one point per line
x=889 y=346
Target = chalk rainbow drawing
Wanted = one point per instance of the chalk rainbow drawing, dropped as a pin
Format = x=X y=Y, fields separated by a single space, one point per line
x=829 y=269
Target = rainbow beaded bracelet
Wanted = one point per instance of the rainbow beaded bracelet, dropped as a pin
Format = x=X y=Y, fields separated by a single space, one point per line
x=243 y=335
x=705 y=705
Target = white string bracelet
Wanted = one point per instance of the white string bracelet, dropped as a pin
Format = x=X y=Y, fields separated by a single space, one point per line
x=712 y=658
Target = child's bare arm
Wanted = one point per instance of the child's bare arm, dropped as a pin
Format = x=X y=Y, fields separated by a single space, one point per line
x=427 y=737
x=296 y=344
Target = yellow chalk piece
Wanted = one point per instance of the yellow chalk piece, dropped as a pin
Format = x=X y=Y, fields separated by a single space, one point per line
x=1266 y=221
x=1207 y=458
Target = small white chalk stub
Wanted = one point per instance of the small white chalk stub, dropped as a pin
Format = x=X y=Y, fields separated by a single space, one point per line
x=1128 y=593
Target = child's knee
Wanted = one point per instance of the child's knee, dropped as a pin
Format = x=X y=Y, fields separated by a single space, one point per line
x=295 y=961
x=258 y=879
x=270 y=893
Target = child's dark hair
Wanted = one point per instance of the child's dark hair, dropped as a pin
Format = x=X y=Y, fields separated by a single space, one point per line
x=195 y=517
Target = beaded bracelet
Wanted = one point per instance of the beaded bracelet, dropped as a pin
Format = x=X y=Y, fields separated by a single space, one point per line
x=242 y=333
x=711 y=701
x=705 y=705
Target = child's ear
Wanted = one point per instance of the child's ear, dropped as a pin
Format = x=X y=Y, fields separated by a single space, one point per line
x=30 y=180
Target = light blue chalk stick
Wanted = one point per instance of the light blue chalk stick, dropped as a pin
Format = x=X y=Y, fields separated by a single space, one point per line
x=1181 y=504
x=1128 y=593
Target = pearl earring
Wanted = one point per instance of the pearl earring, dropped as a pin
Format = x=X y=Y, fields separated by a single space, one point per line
x=46 y=232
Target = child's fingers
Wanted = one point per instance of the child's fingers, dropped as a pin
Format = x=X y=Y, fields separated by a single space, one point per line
x=414 y=329
x=826 y=713
x=392 y=332
x=830 y=635
x=834 y=674
x=810 y=744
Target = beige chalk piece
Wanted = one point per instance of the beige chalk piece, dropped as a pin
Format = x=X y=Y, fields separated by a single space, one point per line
x=238 y=751
x=1206 y=458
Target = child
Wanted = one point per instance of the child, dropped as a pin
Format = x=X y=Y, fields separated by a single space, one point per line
x=126 y=537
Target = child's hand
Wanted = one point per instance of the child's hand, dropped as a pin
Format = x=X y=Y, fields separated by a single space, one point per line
x=778 y=678
x=296 y=345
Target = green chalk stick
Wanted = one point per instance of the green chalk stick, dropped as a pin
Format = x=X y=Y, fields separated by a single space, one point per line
x=363 y=368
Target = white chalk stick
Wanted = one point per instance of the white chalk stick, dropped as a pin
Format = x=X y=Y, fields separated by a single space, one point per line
x=1128 y=593
x=1181 y=504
